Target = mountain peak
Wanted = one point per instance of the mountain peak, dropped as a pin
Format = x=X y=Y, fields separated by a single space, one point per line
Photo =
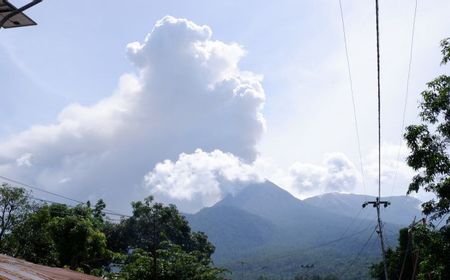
x=261 y=193
x=269 y=201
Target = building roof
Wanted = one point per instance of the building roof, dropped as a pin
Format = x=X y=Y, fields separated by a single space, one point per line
x=15 y=269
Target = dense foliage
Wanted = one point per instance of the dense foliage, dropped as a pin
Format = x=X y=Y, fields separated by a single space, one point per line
x=156 y=242
x=13 y=208
x=422 y=251
x=429 y=143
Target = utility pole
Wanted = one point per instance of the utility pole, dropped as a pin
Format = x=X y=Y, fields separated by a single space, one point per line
x=155 y=245
x=416 y=251
x=242 y=269
x=308 y=268
x=378 y=201
x=376 y=204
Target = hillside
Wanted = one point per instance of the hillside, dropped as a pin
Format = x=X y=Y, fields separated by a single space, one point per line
x=229 y=227
x=402 y=210
x=266 y=227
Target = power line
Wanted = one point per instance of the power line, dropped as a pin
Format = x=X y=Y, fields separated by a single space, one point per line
x=359 y=253
x=310 y=248
x=351 y=222
x=353 y=98
x=39 y=189
x=406 y=97
x=335 y=240
x=48 y=201
x=106 y=211
x=72 y=206
x=378 y=201
x=444 y=216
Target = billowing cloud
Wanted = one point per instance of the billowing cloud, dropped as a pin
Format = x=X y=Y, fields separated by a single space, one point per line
x=341 y=174
x=336 y=174
x=199 y=179
x=187 y=93
x=396 y=175
x=24 y=160
x=306 y=177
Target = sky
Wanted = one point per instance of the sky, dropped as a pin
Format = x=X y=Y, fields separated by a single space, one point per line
x=192 y=100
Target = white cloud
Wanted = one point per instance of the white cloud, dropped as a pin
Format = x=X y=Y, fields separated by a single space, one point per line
x=395 y=173
x=24 y=160
x=188 y=93
x=199 y=179
x=341 y=175
x=336 y=174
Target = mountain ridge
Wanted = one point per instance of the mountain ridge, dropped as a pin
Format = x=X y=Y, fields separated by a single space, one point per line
x=265 y=226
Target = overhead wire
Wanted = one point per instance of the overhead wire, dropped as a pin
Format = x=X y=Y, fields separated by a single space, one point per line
x=310 y=248
x=358 y=254
x=59 y=211
x=440 y=221
x=352 y=94
x=29 y=186
x=405 y=103
x=358 y=144
x=354 y=107
x=352 y=222
x=356 y=119
x=73 y=206
x=39 y=189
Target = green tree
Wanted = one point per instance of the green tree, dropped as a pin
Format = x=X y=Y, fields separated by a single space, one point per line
x=14 y=206
x=429 y=142
x=98 y=210
x=173 y=264
x=31 y=240
x=83 y=238
x=78 y=242
x=422 y=251
x=58 y=235
x=165 y=247
x=153 y=223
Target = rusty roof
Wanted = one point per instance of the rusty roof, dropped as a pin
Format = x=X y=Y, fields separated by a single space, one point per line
x=15 y=269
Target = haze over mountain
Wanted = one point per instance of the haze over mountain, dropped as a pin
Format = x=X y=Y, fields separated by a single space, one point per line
x=402 y=210
x=266 y=226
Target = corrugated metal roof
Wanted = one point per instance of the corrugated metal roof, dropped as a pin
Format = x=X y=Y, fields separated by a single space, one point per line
x=15 y=269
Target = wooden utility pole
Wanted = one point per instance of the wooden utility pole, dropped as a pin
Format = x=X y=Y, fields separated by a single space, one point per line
x=155 y=246
x=242 y=269
x=376 y=204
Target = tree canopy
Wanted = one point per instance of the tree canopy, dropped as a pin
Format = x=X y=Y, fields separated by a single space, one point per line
x=14 y=206
x=429 y=143
x=155 y=242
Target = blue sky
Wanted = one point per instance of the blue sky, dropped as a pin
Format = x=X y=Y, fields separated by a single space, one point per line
x=77 y=54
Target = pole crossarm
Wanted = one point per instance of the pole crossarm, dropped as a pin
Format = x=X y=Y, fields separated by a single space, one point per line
x=376 y=203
